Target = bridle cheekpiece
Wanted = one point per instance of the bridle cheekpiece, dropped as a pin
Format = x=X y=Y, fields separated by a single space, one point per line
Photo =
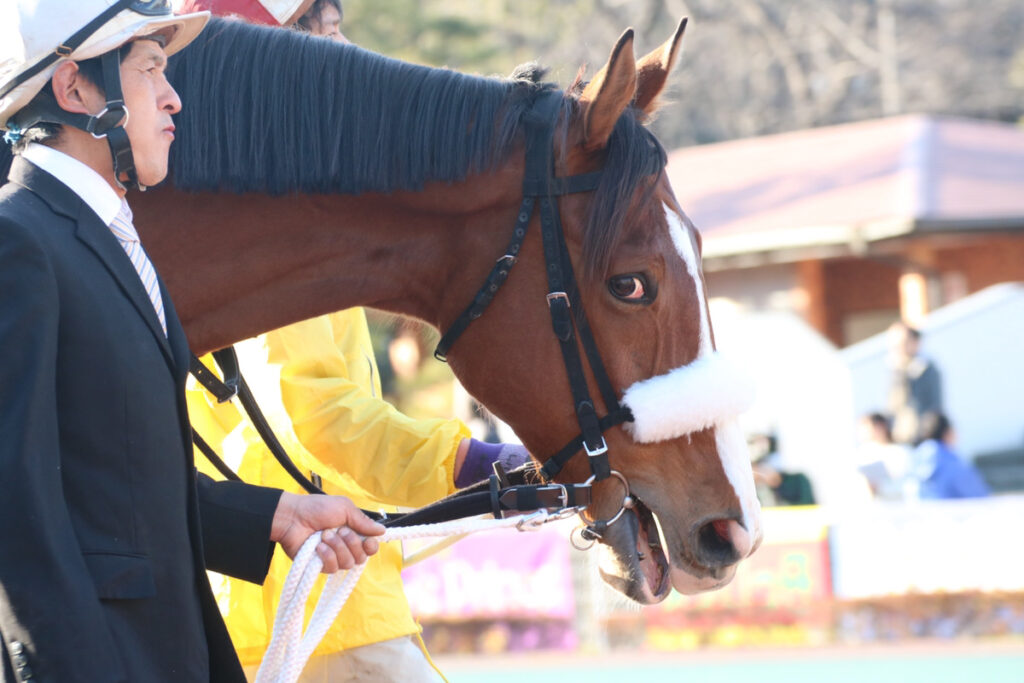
x=568 y=319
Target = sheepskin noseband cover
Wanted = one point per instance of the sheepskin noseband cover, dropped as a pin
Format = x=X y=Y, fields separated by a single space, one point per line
x=702 y=394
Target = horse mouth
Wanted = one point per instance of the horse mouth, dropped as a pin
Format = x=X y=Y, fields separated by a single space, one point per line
x=636 y=562
x=639 y=568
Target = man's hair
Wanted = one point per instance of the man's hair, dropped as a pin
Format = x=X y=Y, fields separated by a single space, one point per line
x=912 y=332
x=305 y=22
x=881 y=422
x=763 y=445
x=92 y=70
x=934 y=426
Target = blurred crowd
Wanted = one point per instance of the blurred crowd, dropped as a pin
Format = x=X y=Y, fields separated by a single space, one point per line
x=908 y=452
x=931 y=616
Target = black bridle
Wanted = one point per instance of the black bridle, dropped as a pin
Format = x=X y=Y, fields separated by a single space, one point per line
x=568 y=319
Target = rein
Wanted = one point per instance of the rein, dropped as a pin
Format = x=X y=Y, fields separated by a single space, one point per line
x=502 y=493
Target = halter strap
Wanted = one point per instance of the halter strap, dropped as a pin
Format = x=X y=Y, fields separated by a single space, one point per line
x=234 y=384
x=494 y=281
x=561 y=280
x=538 y=182
x=541 y=188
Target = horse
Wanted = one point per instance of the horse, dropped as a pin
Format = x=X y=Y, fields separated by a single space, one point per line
x=308 y=177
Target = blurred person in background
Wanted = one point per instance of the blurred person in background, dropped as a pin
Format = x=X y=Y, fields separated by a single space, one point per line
x=882 y=462
x=320 y=387
x=915 y=386
x=775 y=485
x=323 y=18
x=941 y=472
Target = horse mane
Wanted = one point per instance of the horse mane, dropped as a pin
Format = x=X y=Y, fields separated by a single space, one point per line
x=273 y=111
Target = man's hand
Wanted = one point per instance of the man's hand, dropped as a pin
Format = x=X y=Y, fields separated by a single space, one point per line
x=344 y=527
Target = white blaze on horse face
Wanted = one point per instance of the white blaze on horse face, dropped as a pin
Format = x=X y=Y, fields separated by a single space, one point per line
x=735 y=456
x=729 y=440
x=686 y=246
x=709 y=392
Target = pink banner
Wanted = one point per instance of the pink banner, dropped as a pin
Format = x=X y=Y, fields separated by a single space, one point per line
x=502 y=574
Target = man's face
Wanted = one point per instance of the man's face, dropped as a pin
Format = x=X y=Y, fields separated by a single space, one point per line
x=902 y=345
x=328 y=24
x=150 y=101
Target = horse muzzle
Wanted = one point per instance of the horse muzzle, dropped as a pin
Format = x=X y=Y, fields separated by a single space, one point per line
x=708 y=393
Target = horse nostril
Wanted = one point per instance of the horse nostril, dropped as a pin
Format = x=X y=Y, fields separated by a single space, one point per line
x=721 y=542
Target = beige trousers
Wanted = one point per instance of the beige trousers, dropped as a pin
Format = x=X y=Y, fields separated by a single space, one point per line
x=399 y=660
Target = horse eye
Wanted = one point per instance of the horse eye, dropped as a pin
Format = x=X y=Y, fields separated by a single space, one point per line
x=630 y=288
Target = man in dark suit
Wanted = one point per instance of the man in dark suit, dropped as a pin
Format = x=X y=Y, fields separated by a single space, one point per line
x=915 y=387
x=106 y=530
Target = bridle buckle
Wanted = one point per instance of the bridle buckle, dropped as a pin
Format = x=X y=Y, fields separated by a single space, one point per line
x=601 y=449
x=563 y=496
x=552 y=296
x=105 y=120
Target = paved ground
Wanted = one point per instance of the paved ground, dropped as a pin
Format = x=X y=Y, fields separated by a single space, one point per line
x=930 y=662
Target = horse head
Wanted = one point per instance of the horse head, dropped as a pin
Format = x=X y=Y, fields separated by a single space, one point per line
x=682 y=458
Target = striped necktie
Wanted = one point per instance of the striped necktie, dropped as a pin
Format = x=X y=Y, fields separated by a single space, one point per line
x=125 y=233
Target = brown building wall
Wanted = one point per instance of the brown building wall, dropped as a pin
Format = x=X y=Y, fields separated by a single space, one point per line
x=859 y=295
x=1000 y=259
x=849 y=299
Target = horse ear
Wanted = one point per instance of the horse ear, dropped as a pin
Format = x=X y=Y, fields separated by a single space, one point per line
x=609 y=93
x=652 y=71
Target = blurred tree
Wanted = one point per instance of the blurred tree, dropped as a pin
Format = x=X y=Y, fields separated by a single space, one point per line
x=750 y=67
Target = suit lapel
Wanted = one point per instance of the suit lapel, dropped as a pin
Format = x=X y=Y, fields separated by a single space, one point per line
x=175 y=335
x=97 y=237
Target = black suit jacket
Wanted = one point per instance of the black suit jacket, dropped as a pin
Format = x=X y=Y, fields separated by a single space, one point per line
x=104 y=521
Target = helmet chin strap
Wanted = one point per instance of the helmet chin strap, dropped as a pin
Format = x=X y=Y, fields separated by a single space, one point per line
x=117 y=137
x=109 y=123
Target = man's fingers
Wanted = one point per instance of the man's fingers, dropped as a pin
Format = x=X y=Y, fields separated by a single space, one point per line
x=362 y=524
x=337 y=542
x=341 y=549
x=354 y=544
x=328 y=557
x=371 y=546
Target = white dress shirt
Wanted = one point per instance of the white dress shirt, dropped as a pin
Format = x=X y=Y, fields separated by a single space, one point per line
x=80 y=179
x=107 y=205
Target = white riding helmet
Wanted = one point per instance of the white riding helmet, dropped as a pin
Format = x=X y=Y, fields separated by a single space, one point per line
x=37 y=35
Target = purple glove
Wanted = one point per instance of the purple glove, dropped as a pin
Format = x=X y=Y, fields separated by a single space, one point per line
x=481 y=455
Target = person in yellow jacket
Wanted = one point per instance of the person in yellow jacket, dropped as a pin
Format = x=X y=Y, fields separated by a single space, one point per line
x=318 y=384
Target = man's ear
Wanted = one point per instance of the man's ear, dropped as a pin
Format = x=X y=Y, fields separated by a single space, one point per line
x=74 y=92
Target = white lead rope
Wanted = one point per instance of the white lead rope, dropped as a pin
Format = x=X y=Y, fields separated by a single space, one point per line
x=290 y=648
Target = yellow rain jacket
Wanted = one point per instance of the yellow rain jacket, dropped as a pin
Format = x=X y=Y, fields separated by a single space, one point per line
x=318 y=385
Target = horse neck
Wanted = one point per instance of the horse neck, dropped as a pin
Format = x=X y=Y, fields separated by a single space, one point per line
x=239 y=265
